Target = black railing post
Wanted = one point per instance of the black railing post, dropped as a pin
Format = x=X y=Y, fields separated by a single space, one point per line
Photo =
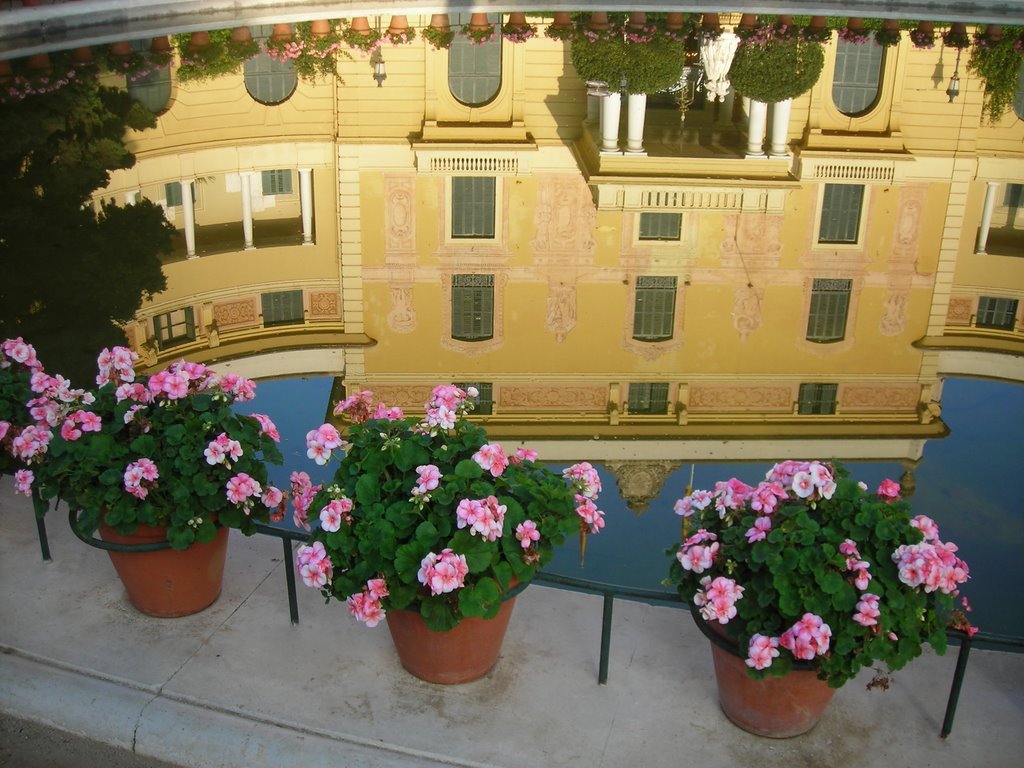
x=44 y=542
x=958 y=680
x=289 y=573
x=606 y=637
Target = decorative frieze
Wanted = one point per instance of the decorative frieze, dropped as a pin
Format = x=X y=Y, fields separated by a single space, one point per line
x=238 y=313
x=536 y=397
x=324 y=304
x=879 y=397
x=960 y=310
x=740 y=398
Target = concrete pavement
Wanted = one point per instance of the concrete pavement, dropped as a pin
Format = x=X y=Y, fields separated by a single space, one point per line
x=238 y=685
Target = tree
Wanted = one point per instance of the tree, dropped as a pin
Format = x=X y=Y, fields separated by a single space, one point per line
x=71 y=272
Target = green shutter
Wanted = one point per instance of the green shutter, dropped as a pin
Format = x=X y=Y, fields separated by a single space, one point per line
x=840 y=213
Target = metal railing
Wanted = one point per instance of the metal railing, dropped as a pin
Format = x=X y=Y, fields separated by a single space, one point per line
x=608 y=592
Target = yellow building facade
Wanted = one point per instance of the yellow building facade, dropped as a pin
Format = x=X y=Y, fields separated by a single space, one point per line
x=688 y=284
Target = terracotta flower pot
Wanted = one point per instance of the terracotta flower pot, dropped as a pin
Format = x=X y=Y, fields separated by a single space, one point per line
x=926 y=26
x=994 y=32
x=710 y=21
x=121 y=48
x=854 y=22
x=320 y=27
x=459 y=655
x=5 y=70
x=564 y=19
x=674 y=21
x=517 y=19
x=817 y=22
x=281 y=32
x=160 y=44
x=440 y=21
x=479 y=21
x=82 y=55
x=892 y=25
x=199 y=40
x=241 y=35
x=787 y=20
x=39 y=62
x=637 y=19
x=598 y=21
x=776 y=707
x=398 y=25
x=361 y=25
x=168 y=582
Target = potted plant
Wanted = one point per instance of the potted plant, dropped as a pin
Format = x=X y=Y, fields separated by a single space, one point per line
x=599 y=54
x=314 y=50
x=517 y=29
x=39 y=74
x=776 y=63
x=808 y=578
x=439 y=34
x=956 y=36
x=888 y=34
x=430 y=526
x=651 y=63
x=136 y=63
x=817 y=30
x=359 y=36
x=210 y=55
x=162 y=458
x=23 y=436
x=561 y=27
x=923 y=36
x=479 y=30
x=854 y=31
x=997 y=61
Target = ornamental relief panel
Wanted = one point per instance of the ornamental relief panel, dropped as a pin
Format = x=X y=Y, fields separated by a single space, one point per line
x=237 y=313
x=564 y=217
x=862 y=397
x=553 y=397
x=902 y=258
x=410 y=397
x=640 y=482
x=960 y=310
x=399 y=212
x=754 y=398
x=560 y=316
x=324 y=304
x=746 y=310
x=752 y=241
x=402 y=315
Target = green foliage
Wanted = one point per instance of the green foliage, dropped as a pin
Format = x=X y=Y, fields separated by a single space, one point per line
x=88 y=470
x=777 y=70
x=800 y=567
x=602 y=60
x=653 y=66
x=999 y=65
x=222 y=56
x=390 y=530
x=61 y=257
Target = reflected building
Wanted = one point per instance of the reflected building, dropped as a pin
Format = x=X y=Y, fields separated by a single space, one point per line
x=642 y=279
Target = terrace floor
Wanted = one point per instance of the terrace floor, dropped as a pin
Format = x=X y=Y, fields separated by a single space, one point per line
x=239 y=685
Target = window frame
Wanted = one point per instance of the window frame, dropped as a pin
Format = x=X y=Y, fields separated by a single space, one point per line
x=478 y=288
x=271 y=179
x=858 y=53
x=284 y=315
x=660 y=220
x=647 y=398
x=1003 y=308
x=826 y=207
x=466 y=210
x=165 y=321
x=825 y=325
x=654 y=306
x=817 y=399
x=462 y=49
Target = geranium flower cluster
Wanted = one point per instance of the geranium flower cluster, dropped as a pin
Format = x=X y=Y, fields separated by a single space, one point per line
x=586 y=482
x=485 y=517
x=716 y=560
x=303 y=492
x=366 y=606
x=137 y=473
x=443 y=573
x=314 y=565
x=518 y=33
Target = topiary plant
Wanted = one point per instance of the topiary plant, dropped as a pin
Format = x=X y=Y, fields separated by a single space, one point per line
x=776 y=70
x=653 y=66
x=600 y=60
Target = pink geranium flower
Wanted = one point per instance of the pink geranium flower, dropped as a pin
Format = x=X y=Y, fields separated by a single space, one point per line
x=527 y=533
x=889 y=491
x=761 y=650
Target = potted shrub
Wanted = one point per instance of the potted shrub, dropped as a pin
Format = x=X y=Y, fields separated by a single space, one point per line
x=399 y=32
x=428 y=525
x=162 y=459
x=997 y=61
x=479 y=30
x=776 y=63
x=136 y=63
x=517 y=29
x=212 y=54
x=854 y=32
x=439 y=33
x=561 y=27
x=956 y=36
x=923 y=36
x=360 y=37
x=651 y=63
x=313 y=51
x=888 y=34
x=807 y=578
x=599 y=55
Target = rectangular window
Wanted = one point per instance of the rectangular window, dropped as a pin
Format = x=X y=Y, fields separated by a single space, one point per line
x=660 y=226
x=995 y=312
x=472 y=307
x=654 y=309
x=1014 y=196
x=648 y=398
x=282 y=308
x=483 y=404
x=277 y=182
x=840 y=213
x=174 y=328
x=830 y=302
x=172 y=194
x=817 y=398
x=473 y=206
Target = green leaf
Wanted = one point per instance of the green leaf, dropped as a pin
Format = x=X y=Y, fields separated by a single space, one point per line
x=407 y=560
x=482 y=600
x=468 y=469
x=144 y=445
x=438 y=614
x=180 y=538
x=830 y=582
x=367 y=490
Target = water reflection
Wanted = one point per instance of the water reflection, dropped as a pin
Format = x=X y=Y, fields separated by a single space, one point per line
x=650 y=281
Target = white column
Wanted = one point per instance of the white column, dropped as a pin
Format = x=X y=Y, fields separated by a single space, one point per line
x=246 y=178
x=306 y=203
x=986 y=216
x=131 y=197
x=757 y=120
x=611 y=106
x=188 y=209
x=780 y=128
x=636 y=111
x=593 y=110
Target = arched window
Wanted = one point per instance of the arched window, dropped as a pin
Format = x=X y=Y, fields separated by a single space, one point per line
x=858 y=77
x=474 y=71
x=152 y=90
x=269 y=82
x=1018 y=97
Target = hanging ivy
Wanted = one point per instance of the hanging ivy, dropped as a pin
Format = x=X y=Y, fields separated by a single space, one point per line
x=998 y=63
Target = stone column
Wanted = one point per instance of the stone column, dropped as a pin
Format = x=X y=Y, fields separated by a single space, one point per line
x=780 y=128
x=246 y=179
x=986 y=216
x=611 y=106
x=636 y=111
x=189 y=211
x=593 y=110
x=757 y=119
x=306 y=203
